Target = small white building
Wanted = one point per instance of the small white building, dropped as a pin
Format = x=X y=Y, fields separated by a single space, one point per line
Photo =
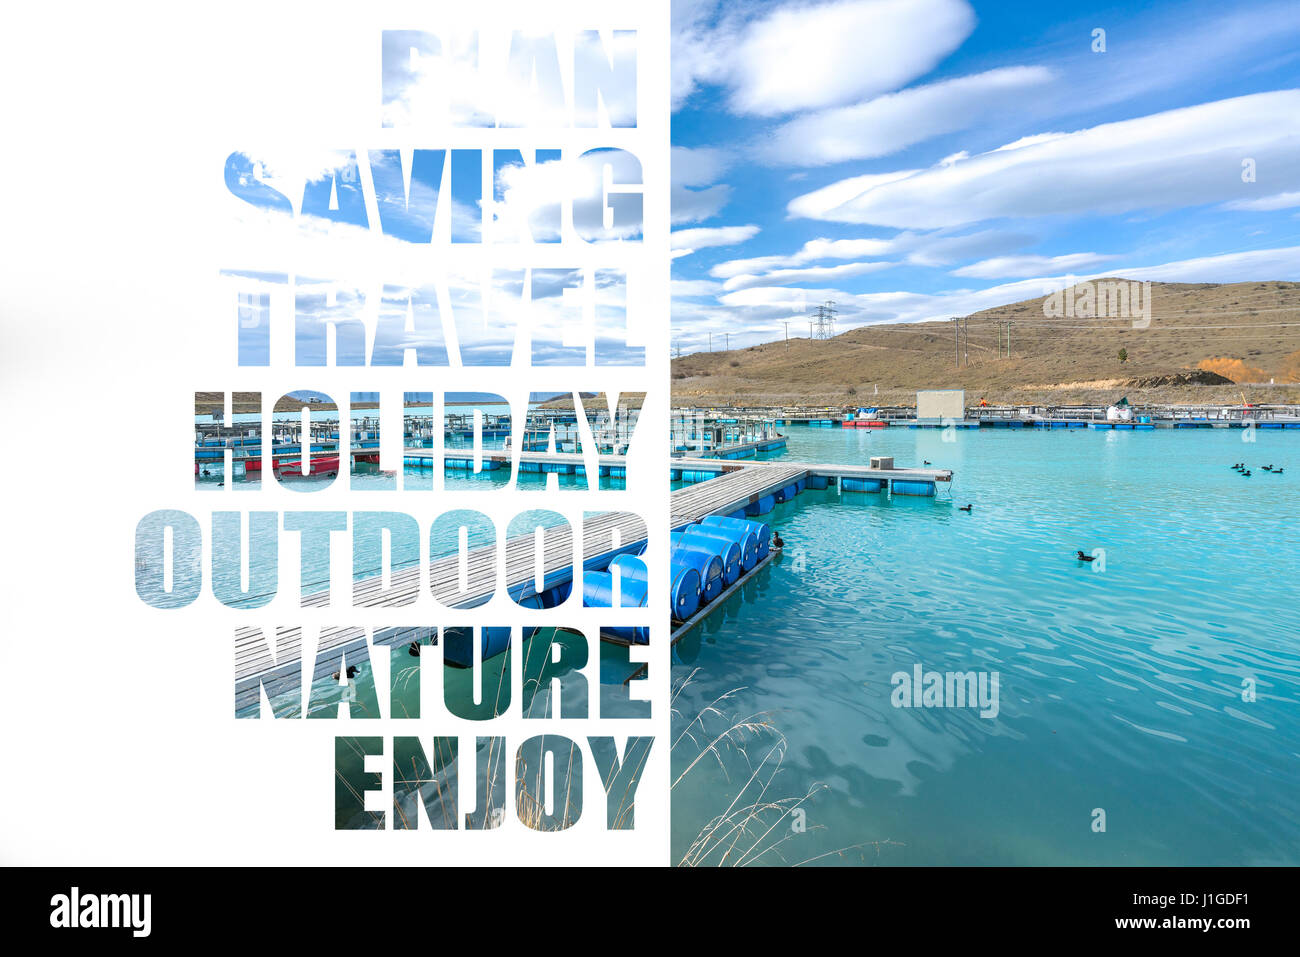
x=939 y=404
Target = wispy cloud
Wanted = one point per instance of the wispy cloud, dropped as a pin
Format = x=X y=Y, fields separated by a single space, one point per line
x=814 y=274
x=1181 y=157
x=1006 y=267
x=687 y=241
x=693 y=170
x=800 y=56
x=893 y=122
x=1267 y=203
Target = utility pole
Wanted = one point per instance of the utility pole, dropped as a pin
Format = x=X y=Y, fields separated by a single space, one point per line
x=786 y=323
x=965 y=347
x=728 y=335
x=956 y=345
x=710 y=342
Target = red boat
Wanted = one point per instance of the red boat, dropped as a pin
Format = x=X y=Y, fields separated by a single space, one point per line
x=320 y=464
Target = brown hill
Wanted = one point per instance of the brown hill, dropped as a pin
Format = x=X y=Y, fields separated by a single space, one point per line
x=1248 y=333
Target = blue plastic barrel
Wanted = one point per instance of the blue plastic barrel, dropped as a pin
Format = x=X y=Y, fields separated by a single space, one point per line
x=761 y=530
x=913 y=488
x=708 y=567
x=727 y=552
x=630 y=567
x=744 y=539
x=787 y=493
x=850 y=484
x=762 y=506
x=598 y=591
x=684 y=590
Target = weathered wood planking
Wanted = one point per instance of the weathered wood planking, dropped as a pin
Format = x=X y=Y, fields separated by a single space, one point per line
x=732 y=490
x=830 y=470
x=603 y=534
x=254 y=662
x=281 y=674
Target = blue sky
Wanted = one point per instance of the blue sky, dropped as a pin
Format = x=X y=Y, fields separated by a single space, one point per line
x=919 y=159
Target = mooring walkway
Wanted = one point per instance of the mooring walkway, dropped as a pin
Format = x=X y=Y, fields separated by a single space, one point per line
x=735 y=488
x=828 y=470
x=603 y=536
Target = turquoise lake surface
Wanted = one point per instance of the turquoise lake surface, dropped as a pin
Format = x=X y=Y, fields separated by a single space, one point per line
x=1121 y=688
x=1123 y=683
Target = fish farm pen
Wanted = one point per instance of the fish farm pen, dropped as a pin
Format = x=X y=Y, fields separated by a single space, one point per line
x=728 y=437
x=542 y=428
x=1025 y=416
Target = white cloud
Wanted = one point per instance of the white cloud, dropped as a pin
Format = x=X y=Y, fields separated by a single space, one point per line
x=697 y=205
x=811 y=251
x=1267 y=203
x=698 y=166
x=1014 y=266
x=1282 y=263
x=700 y=28
x=786 y=277
x=821 y=202
x=895 y=121
x=692 y=198
x=695 y=288
x=933 y=249
x=1182 y=157
x=938 y=249
x=687 y=241
x=530 y=190
x=805 y=57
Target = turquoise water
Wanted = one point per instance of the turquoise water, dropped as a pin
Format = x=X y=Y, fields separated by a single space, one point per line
x=1121 y=688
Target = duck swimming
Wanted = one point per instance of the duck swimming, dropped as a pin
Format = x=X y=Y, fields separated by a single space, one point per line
x=1084 y=558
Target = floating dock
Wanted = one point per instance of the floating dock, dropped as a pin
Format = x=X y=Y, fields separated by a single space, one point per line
x=751 y=488
x=564 y=463
x=254 y=667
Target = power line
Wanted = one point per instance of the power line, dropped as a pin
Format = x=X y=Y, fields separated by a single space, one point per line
x=822 y=325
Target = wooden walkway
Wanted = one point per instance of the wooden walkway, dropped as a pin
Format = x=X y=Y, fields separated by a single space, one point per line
x=735 y=488
x=603 y=535
x=829 y=469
